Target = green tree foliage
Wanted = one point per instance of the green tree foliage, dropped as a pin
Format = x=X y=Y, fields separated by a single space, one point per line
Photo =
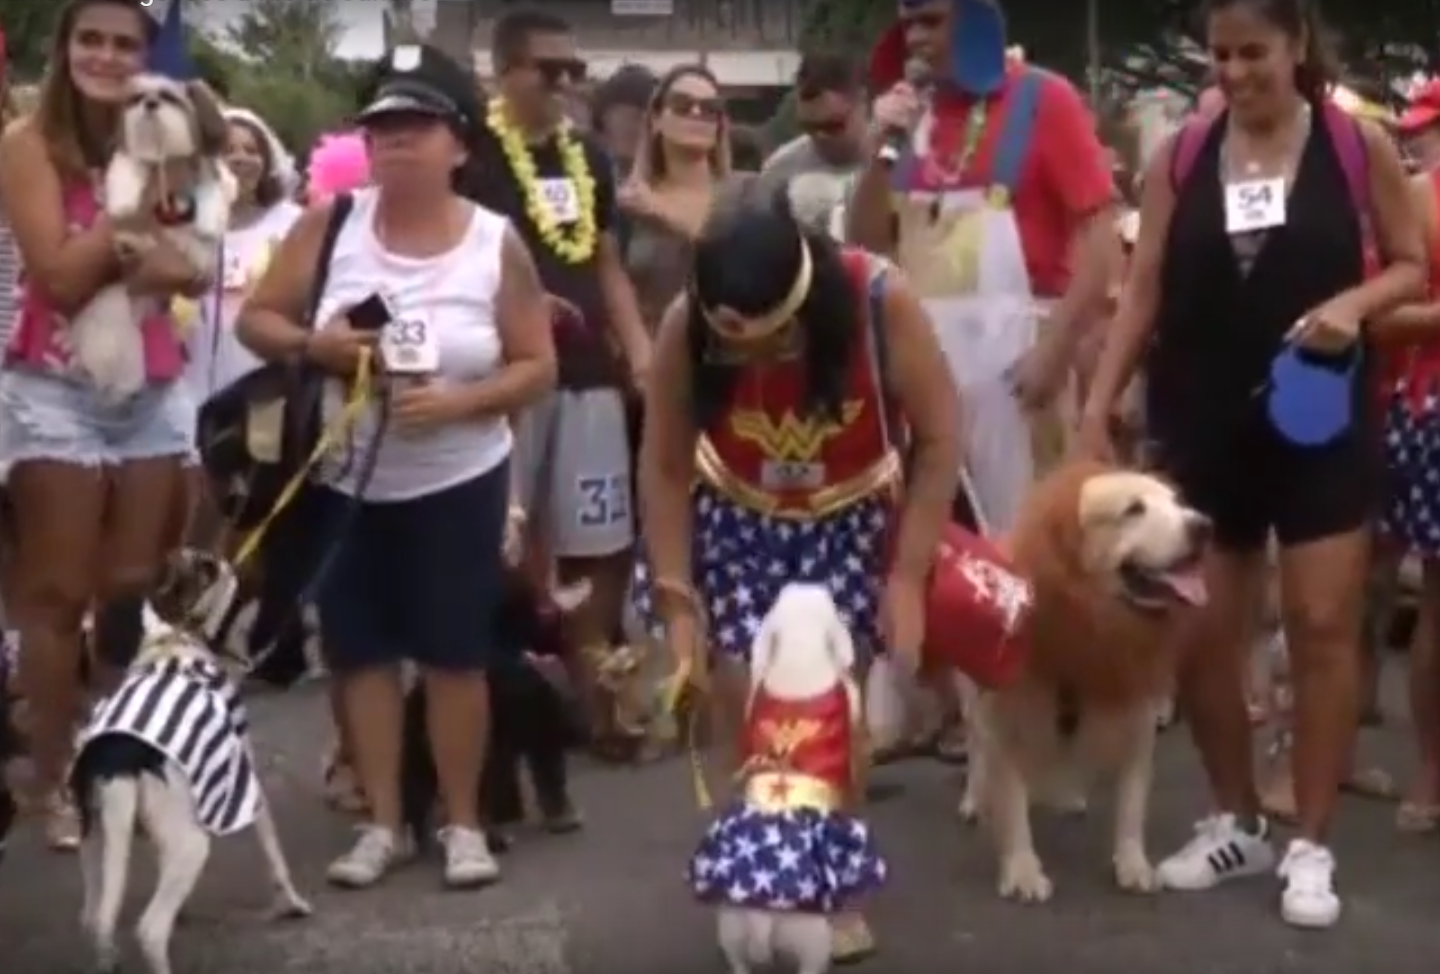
x=288 y=71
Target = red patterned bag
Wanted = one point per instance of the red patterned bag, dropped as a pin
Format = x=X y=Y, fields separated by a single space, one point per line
x=977 y=610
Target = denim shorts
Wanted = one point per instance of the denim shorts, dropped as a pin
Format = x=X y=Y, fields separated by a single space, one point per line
x=417 y=579
x=44 y=417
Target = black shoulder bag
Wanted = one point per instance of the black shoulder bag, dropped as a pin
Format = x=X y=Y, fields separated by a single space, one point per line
x=256 y=433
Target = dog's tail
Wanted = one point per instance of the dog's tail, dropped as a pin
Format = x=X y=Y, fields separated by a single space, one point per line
x=119 y=807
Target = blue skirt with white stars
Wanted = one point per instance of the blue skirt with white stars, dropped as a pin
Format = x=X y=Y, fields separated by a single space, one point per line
x=802 y=859
x=743 y=559
x=1412 y=462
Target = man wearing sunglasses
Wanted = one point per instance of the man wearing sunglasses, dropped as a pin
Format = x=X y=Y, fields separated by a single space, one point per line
x=556 y=183
x=990 y=187
x=830 y=109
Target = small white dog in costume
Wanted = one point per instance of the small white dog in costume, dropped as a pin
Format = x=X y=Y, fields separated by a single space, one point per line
x=786 y=857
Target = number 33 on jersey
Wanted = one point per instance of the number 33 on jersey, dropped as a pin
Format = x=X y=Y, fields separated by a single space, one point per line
x=408 y=347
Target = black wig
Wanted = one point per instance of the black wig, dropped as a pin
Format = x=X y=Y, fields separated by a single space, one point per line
x=747 y=261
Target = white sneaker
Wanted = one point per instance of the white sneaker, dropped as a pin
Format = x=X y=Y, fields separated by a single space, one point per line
x=468 y=861
x=372 y=856
x=1309 y=898
x=1220 y=850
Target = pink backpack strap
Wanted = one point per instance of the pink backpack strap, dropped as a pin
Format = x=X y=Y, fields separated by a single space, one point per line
x=1186 y=147
x=1349 y=142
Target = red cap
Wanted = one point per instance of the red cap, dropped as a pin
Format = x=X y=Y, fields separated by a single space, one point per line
x=1423 y=110
x=976 y=611
x=887 y=59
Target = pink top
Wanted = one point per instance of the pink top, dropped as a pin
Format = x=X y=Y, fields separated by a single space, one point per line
x=40 y=341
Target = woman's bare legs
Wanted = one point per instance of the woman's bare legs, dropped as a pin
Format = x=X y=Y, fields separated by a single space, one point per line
x=458 y=721
x=1421 y=808
x=59 y=514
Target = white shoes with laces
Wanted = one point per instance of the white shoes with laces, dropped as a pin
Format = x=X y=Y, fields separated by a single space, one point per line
x=1221 y=850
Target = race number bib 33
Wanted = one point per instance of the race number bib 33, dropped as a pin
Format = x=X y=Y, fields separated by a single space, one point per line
x=560 y=199
x=408 y=347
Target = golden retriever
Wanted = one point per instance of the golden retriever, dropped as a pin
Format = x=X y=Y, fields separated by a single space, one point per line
x=1112 y=555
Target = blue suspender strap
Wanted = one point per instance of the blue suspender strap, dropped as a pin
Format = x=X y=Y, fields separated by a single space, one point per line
x=1024 y=100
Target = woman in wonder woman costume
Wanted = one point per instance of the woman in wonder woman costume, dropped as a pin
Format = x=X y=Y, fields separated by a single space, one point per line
x=792 y=386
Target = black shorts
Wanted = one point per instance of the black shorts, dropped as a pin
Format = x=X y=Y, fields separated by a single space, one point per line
x=416 y=579
x=1252 y=482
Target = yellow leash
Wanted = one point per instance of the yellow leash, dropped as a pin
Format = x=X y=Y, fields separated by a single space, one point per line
x=682 y=693
x=361 y=392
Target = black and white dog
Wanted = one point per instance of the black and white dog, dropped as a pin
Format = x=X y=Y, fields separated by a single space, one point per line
x=169 y=751
x=532 y=721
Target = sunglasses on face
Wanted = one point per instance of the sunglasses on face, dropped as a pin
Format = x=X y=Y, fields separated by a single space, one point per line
x=557 y=69
x=929 y=19
x=824 y=127
x=689 y=106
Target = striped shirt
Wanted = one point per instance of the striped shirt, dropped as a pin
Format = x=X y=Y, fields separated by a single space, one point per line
x=190 y=711
x=9 y=283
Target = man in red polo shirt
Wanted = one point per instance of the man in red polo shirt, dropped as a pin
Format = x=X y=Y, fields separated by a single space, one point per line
x=990 y=188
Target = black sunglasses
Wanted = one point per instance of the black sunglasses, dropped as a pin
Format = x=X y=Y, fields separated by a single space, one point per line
x=556 y=69
x=829 y=126
x=708 y=109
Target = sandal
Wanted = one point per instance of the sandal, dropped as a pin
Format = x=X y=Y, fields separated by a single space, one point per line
x=1417 y=818
x=1277 y=799
x=342 y=789
x=1372 y=783
x=951 y=745
x=62 y=825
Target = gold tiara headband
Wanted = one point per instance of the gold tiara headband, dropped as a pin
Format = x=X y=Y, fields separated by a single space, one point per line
x=733 y=327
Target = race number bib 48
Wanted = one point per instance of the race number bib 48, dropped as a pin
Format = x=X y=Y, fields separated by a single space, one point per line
x=560 y=199
x=408 y=347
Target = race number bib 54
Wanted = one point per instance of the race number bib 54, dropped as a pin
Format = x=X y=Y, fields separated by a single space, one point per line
x=1256 y=204
x=408 y=347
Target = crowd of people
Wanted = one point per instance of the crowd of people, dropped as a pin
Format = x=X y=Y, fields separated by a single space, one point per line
x=625 y=335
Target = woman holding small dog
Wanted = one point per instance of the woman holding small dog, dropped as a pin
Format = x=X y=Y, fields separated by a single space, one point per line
x=448 y=298
x=94 y=482
x=1253 y=272
x=793 y=374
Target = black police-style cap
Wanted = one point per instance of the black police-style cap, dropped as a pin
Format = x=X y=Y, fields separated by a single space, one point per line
x=418 y=79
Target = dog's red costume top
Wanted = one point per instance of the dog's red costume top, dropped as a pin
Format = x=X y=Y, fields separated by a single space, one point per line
x=765 y=455
x=800 y=753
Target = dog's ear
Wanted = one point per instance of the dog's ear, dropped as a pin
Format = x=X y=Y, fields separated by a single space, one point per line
x=211 y=130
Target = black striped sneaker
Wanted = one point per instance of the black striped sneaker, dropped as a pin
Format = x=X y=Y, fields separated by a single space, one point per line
x=1220 y=850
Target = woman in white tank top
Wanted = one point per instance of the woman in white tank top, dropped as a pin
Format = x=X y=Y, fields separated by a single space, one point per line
x=456 y=306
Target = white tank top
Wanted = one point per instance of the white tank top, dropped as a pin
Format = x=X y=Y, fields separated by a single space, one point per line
x=454 y=294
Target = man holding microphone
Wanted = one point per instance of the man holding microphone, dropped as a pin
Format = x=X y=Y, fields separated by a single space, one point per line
x=989 y=187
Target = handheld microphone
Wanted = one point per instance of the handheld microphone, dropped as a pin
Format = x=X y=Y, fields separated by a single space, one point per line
x=918 y=75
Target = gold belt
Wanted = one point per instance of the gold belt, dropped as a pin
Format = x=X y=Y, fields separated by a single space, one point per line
x=786 y=791
x=821 y=502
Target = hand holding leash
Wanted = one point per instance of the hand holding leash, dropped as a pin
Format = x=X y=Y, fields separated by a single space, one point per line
x=336 y=346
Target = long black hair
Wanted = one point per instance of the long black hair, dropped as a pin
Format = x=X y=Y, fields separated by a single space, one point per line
x=747 y=261
x=1299 y=20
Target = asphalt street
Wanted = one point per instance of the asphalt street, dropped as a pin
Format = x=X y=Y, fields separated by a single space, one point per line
x=610 y=899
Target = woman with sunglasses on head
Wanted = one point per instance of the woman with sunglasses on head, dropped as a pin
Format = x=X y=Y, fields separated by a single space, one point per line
x=792 y=374
x=94 y=482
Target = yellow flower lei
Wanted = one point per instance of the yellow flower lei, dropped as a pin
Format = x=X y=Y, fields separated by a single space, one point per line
x=572 y=243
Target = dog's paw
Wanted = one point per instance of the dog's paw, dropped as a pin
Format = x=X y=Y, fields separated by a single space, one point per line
x=290 y=905
x=1023 y=879
x=1134 y=873
x=968 y=811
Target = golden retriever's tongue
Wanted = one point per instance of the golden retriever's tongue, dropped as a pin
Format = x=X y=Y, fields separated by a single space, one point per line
x=1188 y=585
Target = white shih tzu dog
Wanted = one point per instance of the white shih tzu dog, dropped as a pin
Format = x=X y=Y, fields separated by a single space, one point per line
x=165 y=181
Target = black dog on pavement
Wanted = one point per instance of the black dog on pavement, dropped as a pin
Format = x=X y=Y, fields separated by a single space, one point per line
x=532 y=722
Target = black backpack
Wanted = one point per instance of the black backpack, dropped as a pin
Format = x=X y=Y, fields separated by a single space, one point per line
x=258 y=432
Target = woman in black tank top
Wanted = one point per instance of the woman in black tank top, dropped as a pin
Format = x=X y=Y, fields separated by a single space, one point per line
x=1210 y=303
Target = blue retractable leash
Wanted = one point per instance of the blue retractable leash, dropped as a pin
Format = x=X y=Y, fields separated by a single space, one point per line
x=1310 y=396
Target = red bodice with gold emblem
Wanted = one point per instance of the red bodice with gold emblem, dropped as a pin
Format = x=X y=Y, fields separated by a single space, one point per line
x=800 y=752
x=765 y=454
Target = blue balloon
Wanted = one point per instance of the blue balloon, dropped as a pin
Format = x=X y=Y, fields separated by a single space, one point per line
x=1311 y=400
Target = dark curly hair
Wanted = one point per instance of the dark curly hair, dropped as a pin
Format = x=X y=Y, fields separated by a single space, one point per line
x=747 y=261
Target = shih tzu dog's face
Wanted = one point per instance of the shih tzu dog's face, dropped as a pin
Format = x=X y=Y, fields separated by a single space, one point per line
x=166 y=119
